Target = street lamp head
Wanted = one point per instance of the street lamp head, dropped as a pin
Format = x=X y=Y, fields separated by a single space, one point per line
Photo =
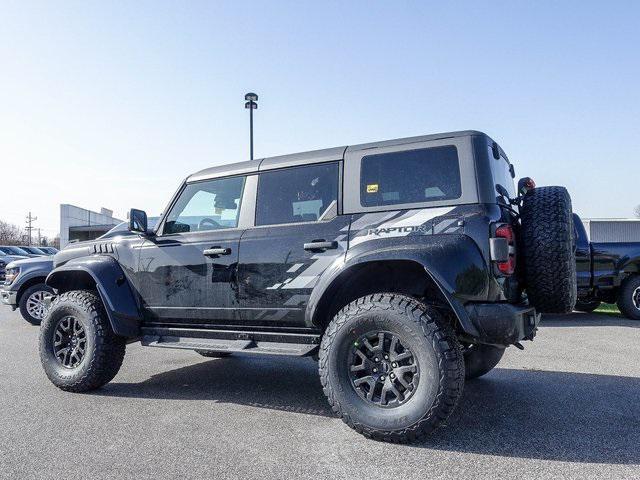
x=252 y=97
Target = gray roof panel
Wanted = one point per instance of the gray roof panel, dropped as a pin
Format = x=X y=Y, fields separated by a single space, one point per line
x=304 y=158
x=237 y=168
x=315 y=156
x=407 y=140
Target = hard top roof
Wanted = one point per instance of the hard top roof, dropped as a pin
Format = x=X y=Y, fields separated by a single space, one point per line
x=314 y=156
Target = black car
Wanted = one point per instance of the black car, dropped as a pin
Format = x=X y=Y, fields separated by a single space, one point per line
x=607 y=272
x=401 y=265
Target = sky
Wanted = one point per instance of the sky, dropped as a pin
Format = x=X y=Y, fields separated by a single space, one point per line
x=112 y=104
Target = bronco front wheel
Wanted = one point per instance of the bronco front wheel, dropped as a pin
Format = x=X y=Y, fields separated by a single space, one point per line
x=391 y=367
x=78 y=349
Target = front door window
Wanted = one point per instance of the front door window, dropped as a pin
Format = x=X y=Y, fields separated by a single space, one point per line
x=203 y=206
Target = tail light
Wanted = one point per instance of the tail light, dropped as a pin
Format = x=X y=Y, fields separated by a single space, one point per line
x=503 y=249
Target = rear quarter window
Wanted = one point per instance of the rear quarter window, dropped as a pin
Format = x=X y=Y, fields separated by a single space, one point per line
x=410 y=176
x=502 y=173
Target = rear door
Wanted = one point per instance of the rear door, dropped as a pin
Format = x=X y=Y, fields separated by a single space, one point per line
x=297 y=235
x=187 y=273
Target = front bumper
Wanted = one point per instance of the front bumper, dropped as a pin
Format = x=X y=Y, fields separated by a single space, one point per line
x=9 y=297
x=503 y=323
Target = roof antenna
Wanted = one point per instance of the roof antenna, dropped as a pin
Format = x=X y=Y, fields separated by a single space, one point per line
x=251 y=99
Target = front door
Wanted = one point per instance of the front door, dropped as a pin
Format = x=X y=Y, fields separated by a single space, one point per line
x=298 y=235
x=187 y=273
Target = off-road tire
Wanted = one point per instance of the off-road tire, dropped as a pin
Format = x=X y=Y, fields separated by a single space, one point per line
x=431 y=340
x=23 y=302
x=104 y=351
x=587 y=306
x=208 y=354
x=548 y=243
x=629 y=287
x=480 y=359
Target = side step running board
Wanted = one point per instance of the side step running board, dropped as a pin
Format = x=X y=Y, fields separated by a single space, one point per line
x=187 y=339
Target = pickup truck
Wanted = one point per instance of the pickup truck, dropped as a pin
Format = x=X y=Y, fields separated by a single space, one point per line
x=607 y=272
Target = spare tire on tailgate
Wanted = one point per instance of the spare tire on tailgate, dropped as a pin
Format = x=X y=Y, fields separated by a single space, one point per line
x=548 y=243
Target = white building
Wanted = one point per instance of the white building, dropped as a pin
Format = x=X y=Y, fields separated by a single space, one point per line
x=603 y=230
x=78 y=224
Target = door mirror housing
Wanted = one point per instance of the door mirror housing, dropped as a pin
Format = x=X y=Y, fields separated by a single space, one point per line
x=138 y=221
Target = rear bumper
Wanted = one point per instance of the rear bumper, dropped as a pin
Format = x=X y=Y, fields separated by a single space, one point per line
x=503 y=323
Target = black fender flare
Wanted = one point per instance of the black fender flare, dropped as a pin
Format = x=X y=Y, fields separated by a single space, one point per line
x=112 y=285
x=454 y=263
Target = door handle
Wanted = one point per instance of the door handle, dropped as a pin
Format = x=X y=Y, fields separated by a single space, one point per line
x=216 y=251
x=320 y=245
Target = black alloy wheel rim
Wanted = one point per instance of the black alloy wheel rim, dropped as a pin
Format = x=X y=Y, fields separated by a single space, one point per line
x=382 y=370
x=69 y=342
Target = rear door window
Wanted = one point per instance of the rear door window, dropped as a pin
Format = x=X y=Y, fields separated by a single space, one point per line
x=410 y=177
x=296 y=194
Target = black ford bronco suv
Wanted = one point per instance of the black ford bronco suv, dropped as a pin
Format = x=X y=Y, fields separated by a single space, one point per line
x=405 y=266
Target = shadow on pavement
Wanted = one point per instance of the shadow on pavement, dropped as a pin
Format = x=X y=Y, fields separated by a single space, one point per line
x=573 y=417
x=515 y=413
x=588 y=320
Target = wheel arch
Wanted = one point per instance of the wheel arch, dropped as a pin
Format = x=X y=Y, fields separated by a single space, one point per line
x=631 y=267
x=31 y=281
x=104 y=275
x=384 y=271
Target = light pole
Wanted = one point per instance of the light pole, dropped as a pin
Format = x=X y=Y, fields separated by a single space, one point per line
x=30 y=220
x=251 y=99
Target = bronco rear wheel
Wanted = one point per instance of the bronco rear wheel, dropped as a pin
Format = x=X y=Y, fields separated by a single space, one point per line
x=78 y=349
x=391 y=367
x=548 y=244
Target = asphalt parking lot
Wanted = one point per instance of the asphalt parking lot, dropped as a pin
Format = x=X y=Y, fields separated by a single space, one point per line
x=566 y=407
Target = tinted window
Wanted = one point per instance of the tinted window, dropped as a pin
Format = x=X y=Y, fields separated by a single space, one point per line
x=297 y=194
x=413 y=176
x=502 y=174
x=210 y=205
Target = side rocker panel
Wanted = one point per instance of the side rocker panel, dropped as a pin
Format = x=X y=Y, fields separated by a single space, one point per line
x=112 y=285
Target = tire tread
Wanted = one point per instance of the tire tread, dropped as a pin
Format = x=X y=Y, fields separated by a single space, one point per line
x=109 y=347
x=445 y=343
x=547 y=242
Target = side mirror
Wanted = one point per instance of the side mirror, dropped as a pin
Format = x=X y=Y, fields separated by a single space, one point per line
x=138 y=221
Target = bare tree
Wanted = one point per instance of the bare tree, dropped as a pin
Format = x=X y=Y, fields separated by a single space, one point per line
x=11 y=234
x=637 y=211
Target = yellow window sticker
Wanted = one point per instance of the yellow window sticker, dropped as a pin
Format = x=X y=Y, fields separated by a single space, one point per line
x=373 y=188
